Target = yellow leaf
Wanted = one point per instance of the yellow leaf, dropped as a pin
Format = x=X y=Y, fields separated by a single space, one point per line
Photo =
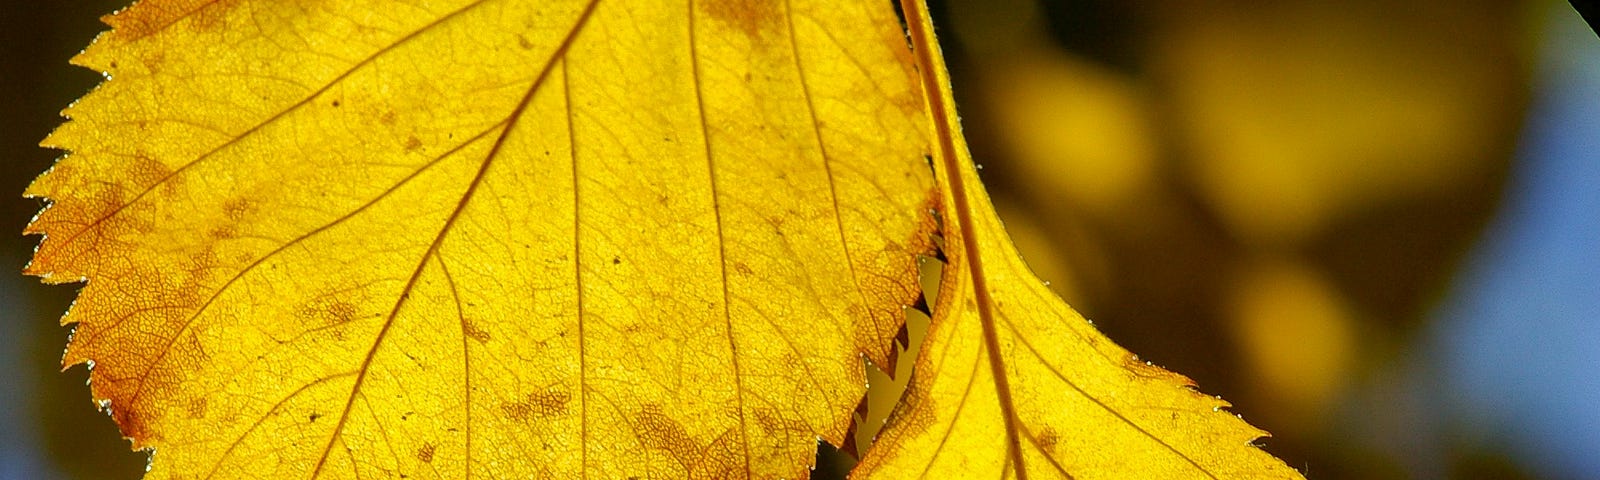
x=491 y=238
x=1012 y=383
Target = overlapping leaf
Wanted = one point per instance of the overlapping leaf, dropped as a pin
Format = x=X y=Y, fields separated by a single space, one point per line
x=488 y=238
x=1012 y=383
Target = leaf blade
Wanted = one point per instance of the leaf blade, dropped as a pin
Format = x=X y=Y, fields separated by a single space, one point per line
x=486 y=238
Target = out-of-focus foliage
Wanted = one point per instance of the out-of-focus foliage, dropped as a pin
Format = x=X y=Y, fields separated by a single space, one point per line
x=1266 y=197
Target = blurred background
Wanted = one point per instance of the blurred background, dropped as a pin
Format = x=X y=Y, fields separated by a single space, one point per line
x=1372 y=225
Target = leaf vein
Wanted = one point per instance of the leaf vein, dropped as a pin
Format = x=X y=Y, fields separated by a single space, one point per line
x=257 y=423
x=968 y=235
x=972 y=377
x=466 y=197
x=722 y=244
x=466 y=360
x=1035 y=352
x=577 y=276
x=1032 y=440
x=189 y=322
x=833 y=188
x=271 y=119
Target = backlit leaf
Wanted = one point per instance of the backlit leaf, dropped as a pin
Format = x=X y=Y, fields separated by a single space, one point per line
x=488 y=238
x=1012 y=383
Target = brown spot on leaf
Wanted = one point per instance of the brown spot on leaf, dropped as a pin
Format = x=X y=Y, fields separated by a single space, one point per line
x=425 y=454
x=328 y=312
x=753 y=17
x=342 y=311
x=472 y=331
x=237 y=208
x=909 y=102
x=153 y=61
x=131 y=423
x=144 y=172
x=197 y=408
x=99 y=214
x=773 y=422
x=412 y=143
x=658 y=431
x=537 y=405
x=1048 y=438
x=223 y=232
x=144 y=19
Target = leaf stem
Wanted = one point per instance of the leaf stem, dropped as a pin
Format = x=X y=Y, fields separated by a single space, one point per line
x=935 y=80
